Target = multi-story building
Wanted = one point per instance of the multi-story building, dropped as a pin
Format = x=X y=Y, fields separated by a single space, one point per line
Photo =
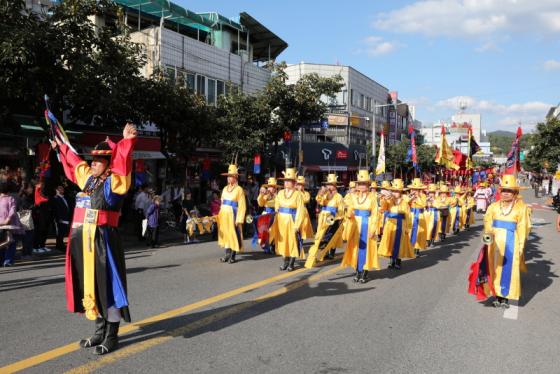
x=553 y=113
x=456 y=135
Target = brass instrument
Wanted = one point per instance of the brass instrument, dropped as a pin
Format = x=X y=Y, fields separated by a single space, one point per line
x=488 y=238
x=248 y=219
x=330 y=220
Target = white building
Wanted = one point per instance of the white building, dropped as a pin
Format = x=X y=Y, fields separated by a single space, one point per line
x=474 y=120
x=456 y=135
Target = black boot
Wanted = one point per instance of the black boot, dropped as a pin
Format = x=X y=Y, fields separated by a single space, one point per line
x=391 y=263
x=232 y=257
x=357 y=276
x=364 y=277
x=97 y=337
x=111 y=341
x=332 y=252
x=227 y=256
x=442 y=237
x=285 y=264
x=398 y=264
x=292 y=264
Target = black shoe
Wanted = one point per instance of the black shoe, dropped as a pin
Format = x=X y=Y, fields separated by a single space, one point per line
x=227 y=256
x=285 y=264
x=504 y=303
x=364 y=277
x=391 y=264
x=292 y=264
x=357 y=276
x=98 y=335
x=232 y=258
x=496 y=304
x=398 y=264
x=111 y=341
x=416 y=252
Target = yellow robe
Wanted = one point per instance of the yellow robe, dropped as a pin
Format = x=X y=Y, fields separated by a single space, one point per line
x=268 y=203
x=455 y=208
x=230 y=234
x=432 y=220
x=347 y=203
x=468 y=205
x=390 y=243
x=418 y=218
x=444 y=223
x=329 y=206
x=362 y=222
x=306 y=227
x=289 y=218
x=505 y=254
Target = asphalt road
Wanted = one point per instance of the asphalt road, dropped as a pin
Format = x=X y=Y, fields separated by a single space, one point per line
x=209 y=317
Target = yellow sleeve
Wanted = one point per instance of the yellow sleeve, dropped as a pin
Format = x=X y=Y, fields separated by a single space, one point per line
x=489 y=218
x=422 y=201
x=373 y=219
x=299 y=211
x=321 y=199
x=521 y=229
x=120 y=184
x=261 y=200
x=241 y=207
x=306 y=197
x=82 y=172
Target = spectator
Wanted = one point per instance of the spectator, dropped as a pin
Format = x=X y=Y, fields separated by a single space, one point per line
x=140 y=202
x=41 y=220
x=62 y=217
x=215 y=205
x=25 y=215
x=152 y=214
x=8 y=217
x=188 y=207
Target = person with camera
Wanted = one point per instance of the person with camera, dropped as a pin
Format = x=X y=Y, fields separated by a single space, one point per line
x=506 y=227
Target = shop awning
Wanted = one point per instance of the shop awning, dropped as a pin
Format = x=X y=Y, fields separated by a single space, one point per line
x=266 y=44
x=148 y=155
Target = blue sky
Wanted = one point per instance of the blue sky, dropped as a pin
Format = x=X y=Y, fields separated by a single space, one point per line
x=502 y=57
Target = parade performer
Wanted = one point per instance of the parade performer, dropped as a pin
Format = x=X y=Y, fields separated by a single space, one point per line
x=432 y=215
x=231 y=216
x=455 y=207
x=507 y=223
x=395 y=242
x=95 y=264
x=442 y=203
x=329 y=223
x=351 y=191
x=361 y=249
x=267 y=201
x=482 y=197
x=417 y=201
x=383 y=194
x=468 y=203
x=306 y=227
x=289 y=218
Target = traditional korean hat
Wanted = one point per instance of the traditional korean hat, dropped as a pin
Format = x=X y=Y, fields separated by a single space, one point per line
x=363 y=177
x=444 y=189
x=290 y=174
x=331 y=179
x=432 y=187
x=271 y=183
x=398 y=185
x=352 y=184
x=385 y=185
x=373 y=185
x=300 y=180
x=102 y=149
x=509 y=182
x=417 y=184
x=458 y=189
x=232 y=171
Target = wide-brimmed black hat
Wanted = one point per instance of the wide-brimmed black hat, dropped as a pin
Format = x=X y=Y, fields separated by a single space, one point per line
x=102 y=149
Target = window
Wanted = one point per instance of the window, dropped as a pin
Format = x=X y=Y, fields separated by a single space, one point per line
x=220 y=88
x=211 y=91
x=170 y=73
x=344 y=97
x=362 y=103
x=201 y=85
x=189 y=81
x=352 y=98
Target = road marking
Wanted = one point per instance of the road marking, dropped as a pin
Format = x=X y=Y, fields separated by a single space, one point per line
x=513 y=311
x=72 y=347
x=166 y=336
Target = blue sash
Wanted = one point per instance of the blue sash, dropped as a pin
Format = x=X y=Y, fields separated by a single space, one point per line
x=509 y=251
x=331 y=209
x=268 y=210
x=397 y=243
x=362 y=245
x=468 y=216
x=457 y=218
x=234 y=206
x=435 y=221
x=415 y=223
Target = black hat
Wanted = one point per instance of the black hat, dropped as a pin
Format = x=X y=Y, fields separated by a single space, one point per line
x=102 y=149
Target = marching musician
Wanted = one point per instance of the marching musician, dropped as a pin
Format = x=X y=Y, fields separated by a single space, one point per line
x=456 y=207
x=395 y=242
x=361 y=250
x=289 y=219
x=231 y=216
x=442 y=203
x=432 y=215
x=507 y=222
x=383 y=194
x=469 y=204
x=417 y=201
x=351 y=191
x=306 y=227
x=329 y=222
x=267 y=201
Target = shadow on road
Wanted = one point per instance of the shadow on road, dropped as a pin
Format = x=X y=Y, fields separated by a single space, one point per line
x=539 y=275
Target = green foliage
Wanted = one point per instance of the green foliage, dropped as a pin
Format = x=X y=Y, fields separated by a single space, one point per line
x=500 y=141
x=544 y=147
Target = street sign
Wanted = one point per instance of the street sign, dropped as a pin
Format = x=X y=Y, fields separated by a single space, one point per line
x=342 y=154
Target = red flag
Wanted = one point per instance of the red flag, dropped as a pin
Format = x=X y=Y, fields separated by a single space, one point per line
x=480 y=280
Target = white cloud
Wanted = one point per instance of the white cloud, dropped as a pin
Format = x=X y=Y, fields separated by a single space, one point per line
x=488 y=47
x=377 y=46
x=551 y=65
x=473 y=18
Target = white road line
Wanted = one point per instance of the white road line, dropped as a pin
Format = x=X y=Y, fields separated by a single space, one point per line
x=512 y=312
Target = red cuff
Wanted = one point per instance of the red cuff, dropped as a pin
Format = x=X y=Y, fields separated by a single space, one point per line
x=121 y=162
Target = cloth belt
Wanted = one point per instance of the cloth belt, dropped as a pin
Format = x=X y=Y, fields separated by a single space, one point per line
x=415 y=223
x=436 y=218
x=509 y=251
x=397 y=243
x=331 y=209
x=362 y=245
x=104 y=217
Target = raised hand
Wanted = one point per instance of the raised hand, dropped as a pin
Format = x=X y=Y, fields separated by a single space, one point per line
x=129 y=131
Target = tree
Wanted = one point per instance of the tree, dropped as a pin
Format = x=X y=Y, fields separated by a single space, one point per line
x=544 y=146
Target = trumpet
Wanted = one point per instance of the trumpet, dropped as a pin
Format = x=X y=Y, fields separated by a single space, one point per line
x=248 y=219
x=488 y=238
x=330 y=220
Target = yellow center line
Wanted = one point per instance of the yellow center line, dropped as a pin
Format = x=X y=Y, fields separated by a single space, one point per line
x=72 y=347
x=165 y=336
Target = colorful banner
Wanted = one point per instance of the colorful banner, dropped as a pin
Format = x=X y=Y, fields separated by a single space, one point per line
x=380 y=169
x=513 y=164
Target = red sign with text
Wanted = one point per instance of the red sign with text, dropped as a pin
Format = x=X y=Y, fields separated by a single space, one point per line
x=342 y=155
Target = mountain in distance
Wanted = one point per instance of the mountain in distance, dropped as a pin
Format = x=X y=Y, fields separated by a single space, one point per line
x=508 y=134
